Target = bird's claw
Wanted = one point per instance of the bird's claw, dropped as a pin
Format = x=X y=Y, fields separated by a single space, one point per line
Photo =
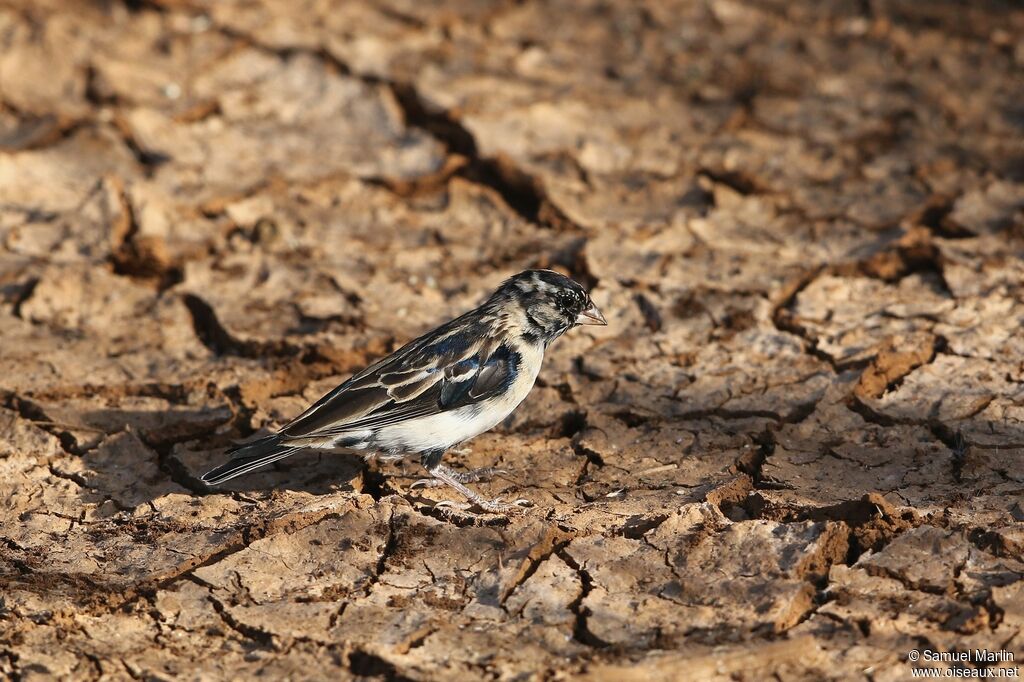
x=425 y=483
x=496 y=506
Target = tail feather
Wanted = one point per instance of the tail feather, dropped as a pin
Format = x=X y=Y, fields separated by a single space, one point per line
x=248 y=457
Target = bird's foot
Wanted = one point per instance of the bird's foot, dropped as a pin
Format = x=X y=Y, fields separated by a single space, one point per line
x=474 y=476
x=455 y=480
x=495 y=506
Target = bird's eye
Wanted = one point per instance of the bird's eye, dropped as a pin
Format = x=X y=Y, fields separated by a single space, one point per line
x=565 y=299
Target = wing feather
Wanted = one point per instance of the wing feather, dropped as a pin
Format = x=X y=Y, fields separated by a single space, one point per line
x=391 y=413
x=406 y=392
x=458 y=381
x=458 y=364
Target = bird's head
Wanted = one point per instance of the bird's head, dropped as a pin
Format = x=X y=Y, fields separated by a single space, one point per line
x=551 y=303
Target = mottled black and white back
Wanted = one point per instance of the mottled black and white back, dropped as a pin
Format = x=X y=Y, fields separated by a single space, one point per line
x=439 y=390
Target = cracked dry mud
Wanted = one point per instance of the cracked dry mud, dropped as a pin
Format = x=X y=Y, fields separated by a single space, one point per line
x=797 y=449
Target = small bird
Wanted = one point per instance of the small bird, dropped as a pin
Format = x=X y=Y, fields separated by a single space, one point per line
x=447 y=386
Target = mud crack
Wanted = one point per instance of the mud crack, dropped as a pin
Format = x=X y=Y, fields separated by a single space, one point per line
x=581 y=630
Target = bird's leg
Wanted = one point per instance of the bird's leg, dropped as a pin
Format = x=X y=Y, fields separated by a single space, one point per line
x=431 y=461
x=472 y=476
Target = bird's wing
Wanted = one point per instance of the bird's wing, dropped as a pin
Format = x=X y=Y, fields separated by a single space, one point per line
x=458 y=364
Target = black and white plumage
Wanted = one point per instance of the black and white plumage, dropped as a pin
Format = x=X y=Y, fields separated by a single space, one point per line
x=439 y=390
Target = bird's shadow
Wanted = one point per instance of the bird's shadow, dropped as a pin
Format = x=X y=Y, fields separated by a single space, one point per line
x=310 y=471
x=136 y=456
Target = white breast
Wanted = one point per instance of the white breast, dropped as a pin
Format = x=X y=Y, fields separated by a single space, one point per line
x=451 y=428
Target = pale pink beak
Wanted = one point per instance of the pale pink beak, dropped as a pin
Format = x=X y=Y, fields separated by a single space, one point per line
x=591 y=316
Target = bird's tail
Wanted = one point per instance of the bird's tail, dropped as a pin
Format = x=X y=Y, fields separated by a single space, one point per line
x=247 y=457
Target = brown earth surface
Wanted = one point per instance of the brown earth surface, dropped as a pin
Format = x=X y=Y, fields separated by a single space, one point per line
x=797 y=450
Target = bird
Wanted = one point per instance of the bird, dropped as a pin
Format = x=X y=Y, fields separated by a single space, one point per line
x=439 y=390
